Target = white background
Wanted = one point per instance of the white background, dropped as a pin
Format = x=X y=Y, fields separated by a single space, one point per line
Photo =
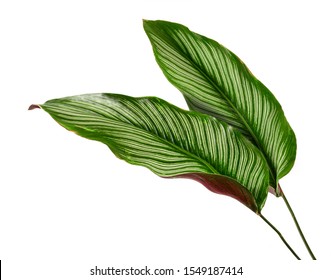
x=68 y=204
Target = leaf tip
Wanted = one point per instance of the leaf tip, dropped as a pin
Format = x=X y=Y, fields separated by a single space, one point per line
x=146 y=22
x=34 y=106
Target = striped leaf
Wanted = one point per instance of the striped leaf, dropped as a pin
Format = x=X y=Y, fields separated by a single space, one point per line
x=215 y=81
x=169 y=141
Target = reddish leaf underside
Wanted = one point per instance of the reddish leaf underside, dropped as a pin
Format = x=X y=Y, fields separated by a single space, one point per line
x=34 y=106
x=225 y=186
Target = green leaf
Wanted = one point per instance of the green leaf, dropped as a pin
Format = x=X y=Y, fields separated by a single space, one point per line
x=215 y=81
x=169 y=141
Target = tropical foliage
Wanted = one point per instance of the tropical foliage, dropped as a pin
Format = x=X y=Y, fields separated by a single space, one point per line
x=235 y=139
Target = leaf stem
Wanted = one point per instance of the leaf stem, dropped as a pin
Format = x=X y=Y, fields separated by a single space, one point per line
x=297 y=224
x=280 y=235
